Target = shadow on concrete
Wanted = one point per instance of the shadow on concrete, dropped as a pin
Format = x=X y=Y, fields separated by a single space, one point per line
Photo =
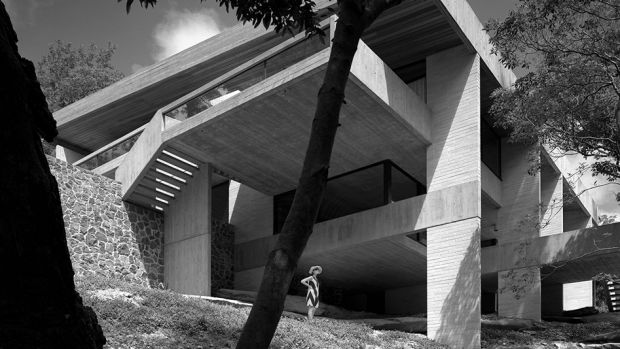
x=460 y=313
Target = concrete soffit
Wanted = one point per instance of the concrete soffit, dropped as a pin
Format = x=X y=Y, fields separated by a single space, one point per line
x=467 y=25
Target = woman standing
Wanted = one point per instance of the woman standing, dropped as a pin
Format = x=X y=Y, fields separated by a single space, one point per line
x=312 y=297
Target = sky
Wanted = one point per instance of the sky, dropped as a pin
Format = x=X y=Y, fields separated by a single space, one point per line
x=145 y=36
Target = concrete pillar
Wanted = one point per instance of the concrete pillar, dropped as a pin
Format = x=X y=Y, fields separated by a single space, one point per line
x=519 y=216
x=453 y=250
x=519 y=219
x=453 y=282
x=187 y=237
x=519 y=294
x=552 y=202
x=251 y=215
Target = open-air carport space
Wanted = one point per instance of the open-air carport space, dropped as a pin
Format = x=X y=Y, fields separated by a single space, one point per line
x=532 y=272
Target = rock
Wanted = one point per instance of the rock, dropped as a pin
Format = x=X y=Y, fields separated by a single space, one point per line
x=112 y=293
x=506 y=323
x=404 y=324
x=609 y=337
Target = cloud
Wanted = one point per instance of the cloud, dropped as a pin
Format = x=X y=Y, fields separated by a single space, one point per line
x=182 y=29
x=25 y=11
x=136 y=67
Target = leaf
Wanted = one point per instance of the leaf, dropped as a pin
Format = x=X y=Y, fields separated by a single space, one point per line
x=267 y=20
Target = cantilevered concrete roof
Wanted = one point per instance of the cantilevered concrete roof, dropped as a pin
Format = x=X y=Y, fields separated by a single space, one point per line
x=112 y=112
x=402 y=37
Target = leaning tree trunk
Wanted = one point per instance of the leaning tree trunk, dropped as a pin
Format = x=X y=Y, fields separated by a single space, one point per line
x=39 y=307
x=353 y=18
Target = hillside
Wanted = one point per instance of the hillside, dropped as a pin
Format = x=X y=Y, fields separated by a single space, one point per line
x=138 y=317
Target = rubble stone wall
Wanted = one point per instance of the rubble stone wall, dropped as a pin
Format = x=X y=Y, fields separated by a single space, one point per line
x=107 y=236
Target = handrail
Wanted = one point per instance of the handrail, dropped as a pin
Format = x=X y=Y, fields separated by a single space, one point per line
x=143 y=153
x=110 y=145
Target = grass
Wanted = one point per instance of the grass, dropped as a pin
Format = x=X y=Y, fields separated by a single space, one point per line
x=150 y=318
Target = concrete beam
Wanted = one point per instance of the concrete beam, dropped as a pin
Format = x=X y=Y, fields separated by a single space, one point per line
x=382 y=84
x=558 y=248
x=144 y=152
x=421 y=212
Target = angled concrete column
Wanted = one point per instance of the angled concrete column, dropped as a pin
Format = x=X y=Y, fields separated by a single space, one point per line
x=519 y=293
x=187 y=237
x=453 y=250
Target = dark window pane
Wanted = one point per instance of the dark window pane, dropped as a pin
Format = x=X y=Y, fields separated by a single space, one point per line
x=354 y=192
x=491 y=148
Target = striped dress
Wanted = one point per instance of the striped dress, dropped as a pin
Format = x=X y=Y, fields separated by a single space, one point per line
x=312 y=298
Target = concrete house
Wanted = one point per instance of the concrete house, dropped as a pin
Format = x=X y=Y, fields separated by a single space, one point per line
x=428 y=208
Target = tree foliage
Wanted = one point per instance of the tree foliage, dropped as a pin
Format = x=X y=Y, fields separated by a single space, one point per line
x=68 y=74
x=570 y=99
x=282 y=15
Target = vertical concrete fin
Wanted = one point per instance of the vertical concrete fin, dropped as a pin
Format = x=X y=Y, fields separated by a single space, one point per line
x=187 y=237
x=453 y=250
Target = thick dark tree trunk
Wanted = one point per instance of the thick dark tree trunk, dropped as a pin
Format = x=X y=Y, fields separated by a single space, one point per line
x=39 y=307
x=354 y=16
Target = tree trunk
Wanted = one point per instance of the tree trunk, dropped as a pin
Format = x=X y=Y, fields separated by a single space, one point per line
x=353 y=18
x=39 y=307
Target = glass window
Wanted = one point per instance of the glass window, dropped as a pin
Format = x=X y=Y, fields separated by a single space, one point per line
x=249 y=77
x=111 y=153
x=356 y=191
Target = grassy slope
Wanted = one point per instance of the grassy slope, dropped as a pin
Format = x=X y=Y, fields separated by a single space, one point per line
x=163 y=319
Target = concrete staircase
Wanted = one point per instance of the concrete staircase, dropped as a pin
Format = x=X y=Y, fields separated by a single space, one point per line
x=613 y=295
x=164 y=179
x=153 y=173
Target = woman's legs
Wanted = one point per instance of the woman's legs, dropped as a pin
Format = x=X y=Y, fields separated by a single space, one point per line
x=311 y=311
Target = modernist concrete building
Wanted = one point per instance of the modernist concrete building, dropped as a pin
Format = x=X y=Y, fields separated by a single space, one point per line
x=428 y=210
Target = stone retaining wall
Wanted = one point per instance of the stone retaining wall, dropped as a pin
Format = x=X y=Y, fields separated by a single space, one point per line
x=222 y=247
x=107 y=236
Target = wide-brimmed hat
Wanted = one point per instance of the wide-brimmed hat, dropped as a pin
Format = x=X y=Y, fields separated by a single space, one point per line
x=315 y=267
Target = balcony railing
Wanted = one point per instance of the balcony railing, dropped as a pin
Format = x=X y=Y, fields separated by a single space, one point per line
x=362 y=189
x=249 y=77
x=110 y=151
